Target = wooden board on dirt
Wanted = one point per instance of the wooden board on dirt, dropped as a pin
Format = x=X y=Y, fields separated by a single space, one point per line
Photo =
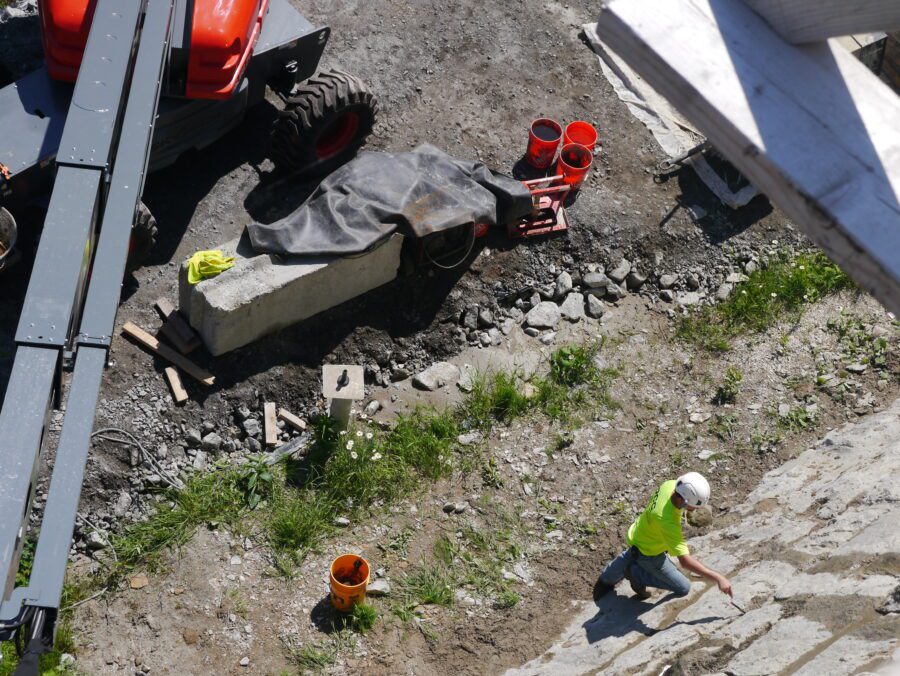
x=179 y=394
x=151 y=343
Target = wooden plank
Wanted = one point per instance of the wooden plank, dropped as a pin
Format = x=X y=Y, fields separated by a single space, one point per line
x=178 y=325
x=179 y=394
x=800 y=21
x=270 y=424
x=167 y=353
x=168 y=331
x=809 y=126
x=289 y=418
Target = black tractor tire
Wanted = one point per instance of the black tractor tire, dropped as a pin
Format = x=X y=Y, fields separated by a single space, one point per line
x=324 y=122
x=143 y=238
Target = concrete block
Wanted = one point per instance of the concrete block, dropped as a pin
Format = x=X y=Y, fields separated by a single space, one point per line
x=264 y=293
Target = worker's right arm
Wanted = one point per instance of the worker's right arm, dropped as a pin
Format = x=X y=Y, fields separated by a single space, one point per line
x=688 y=562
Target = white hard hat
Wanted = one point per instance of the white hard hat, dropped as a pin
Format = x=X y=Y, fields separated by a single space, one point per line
x=694 y=488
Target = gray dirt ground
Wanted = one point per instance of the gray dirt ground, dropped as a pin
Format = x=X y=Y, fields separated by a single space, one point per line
x=468 y=78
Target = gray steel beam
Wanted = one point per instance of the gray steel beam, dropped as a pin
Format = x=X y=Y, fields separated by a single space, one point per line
x=52 y=554
x=22 y=421
x=128 y=175
x=57 y=278
x=89 y=136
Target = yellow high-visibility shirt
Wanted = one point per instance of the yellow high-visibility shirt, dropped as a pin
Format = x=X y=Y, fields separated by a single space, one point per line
x=658 y=528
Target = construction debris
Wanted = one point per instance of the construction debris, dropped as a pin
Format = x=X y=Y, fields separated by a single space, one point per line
x=142 y=337
x=290 y=419
x=270 y=424
x=175 y=329
x=179 y=394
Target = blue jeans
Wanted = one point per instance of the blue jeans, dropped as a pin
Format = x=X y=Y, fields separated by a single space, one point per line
x=648 y=571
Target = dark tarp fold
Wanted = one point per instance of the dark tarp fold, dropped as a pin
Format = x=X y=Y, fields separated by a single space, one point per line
x=418 y=193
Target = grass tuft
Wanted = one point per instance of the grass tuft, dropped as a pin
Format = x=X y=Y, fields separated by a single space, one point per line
x=782 y=288
x=363 y=617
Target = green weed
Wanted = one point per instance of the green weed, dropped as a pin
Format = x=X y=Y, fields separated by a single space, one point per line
x=363 y=617
x=797 y=420
x=858 y=344
x=429 y=586
x=495 y=397
x=782 y=288
x=723 y=426
x=256 y=481
x=728 y=391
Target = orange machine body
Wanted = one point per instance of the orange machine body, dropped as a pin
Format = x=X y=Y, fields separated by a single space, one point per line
x=223 y=33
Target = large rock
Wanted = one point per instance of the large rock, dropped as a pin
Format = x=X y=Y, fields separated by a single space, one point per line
x=544 y=315
x=595 y=306
x=436 y=376
x=620 y=272
x=563 y=285
x=595 y=280
x=264 y=293
x=573 y=307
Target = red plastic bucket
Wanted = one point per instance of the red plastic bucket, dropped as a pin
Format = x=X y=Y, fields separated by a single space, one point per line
x=543 y=140
x=574 y=163
x=581 y=133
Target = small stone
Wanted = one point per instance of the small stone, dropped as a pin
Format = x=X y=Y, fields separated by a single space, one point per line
x=235 y=560
x=449 y=507
x=699 y=417
x=688 y=298
x=548 y=337
x=212 y=442
x=460 y=507
x=437 y=375
x=199 y=461
x=693 y=283
x=751 y=266
x=527 y=489
x=468 y=438
x=549 y=518
x=724 y=291
x=207 y=427
x=485 y=319
x=620 y=272
x=123 y=504
x=466 y=378
x=193 y=438
x=573 y=307
x=857 y=368
x=615 y=292
x=595 y=280
x=379 y=588
x=342 y=522
x=595 y=307
x=470 y=318
x=254 y=445
x=251 y=427
x=484 y=338
x=533 y=332
x=96 y=542
x=784 y=410
x=243 y=412
x=139 y=581
x=399 y=373
x=373 y=407
x=736 y=278
x=545 y=315
x=563 y=285
x=705 y=454
x=667 y=281
x=667 y=295
x=245 y=662
x=635 y=280
x=66 y=660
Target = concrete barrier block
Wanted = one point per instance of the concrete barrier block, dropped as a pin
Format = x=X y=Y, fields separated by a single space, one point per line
x=264 y=293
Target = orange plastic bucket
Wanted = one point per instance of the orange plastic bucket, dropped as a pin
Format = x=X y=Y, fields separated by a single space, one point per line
x=574 y=163
x=581 y=133
x=349 y=579
x=543 y=140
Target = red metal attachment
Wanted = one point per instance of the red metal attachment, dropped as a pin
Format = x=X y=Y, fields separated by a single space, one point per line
x=548 y=213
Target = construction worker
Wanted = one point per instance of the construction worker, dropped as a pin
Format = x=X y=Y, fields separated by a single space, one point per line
x=657 y=531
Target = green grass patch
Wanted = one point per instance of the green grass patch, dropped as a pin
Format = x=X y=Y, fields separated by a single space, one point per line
x=727 y=392
x=211 y=499
x=783 y=288
x=363 y=617
x=318 y=656
x=858 y=343
x=429 y=586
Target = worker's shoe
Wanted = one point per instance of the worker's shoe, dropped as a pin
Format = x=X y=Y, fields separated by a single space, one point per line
x=639 y=590
x=601 y=589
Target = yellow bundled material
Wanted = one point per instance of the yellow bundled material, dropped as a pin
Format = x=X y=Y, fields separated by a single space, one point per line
x=206 y=264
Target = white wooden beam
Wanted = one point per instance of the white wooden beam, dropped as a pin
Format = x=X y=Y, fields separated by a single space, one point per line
x=809 y=126
x=800 y=21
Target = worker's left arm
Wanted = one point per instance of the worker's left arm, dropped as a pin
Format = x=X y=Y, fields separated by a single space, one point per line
x=688 y=562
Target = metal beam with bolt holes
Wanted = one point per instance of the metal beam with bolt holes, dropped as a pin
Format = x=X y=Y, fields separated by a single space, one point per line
x=800 y=21
x=809 y=126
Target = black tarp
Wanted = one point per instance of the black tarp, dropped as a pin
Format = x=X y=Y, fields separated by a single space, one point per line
x=418 y=193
